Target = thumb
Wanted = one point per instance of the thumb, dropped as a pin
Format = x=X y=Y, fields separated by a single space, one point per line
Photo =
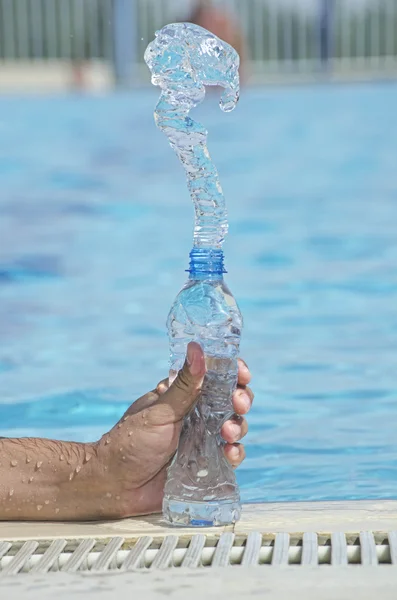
x=177 y=401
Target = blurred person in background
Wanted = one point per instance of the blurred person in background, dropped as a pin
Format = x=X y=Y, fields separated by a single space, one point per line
x=220 y=22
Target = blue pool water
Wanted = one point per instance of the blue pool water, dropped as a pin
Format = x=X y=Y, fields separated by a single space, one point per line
x=95 y=230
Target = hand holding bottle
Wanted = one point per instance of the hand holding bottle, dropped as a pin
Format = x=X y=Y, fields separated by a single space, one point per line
x=135 y=454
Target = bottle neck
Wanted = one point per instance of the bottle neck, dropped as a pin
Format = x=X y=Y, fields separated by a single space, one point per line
x=206 y=263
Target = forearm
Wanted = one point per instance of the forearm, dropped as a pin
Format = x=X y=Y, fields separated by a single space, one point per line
x=50 y=480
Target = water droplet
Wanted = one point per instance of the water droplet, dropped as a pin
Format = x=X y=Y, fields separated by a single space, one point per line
x=202 y=473
x=117 y=497
x=38 y=464
x=62 y=457
x=107 y=441
x=130 y=433
x=57 y=510
x=30 y=479
x=120 y=449
x=71 y=476
x=124 y=458
x=14 y=463
x=126 y=418
x=11 y=492
x=119 y=426
x=39 y=506
x=87 y=457
x=28 y=460
x=108 y=495
x=46 y=501
x=78 y=468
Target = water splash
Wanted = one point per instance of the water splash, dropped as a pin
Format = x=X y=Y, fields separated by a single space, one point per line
x=183 y=59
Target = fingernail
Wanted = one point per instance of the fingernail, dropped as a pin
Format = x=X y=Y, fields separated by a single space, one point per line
x=193 y=359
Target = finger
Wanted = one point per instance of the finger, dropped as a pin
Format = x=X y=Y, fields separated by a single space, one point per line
x=144 y=402
x=242 y=400
x=244 y=374
x=234 y=430
x=235 y=454
x=162 y=386
x=177 y=401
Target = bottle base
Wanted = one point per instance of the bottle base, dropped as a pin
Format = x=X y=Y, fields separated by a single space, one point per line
x=201 y=514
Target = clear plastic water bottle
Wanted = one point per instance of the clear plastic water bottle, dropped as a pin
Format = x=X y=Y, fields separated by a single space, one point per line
x=201 y=488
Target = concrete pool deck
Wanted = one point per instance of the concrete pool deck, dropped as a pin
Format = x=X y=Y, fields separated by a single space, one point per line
x=291 y=517
x=310 y=578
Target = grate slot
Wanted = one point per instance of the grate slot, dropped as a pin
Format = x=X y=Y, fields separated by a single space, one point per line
x=136 y=556
x=252 y=550
x=4 y=548
x=309 y=549
x=75 y=561
x=107 y=555
x=338 y=549
x=20 y=559
x=281 y=549
x=223 y=550
x=392 y=537
x=193 y=554
x=368 y=549
x=163 y=558
x=50 y=556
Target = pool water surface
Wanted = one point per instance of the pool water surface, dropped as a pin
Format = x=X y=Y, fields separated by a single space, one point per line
x=95 y=231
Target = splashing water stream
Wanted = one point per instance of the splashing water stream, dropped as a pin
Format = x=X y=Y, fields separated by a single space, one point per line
x=183 y=59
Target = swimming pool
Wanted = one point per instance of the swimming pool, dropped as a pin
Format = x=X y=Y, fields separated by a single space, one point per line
x=95 y=230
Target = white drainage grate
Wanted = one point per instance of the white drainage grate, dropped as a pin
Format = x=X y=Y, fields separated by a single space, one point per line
x=198 y=550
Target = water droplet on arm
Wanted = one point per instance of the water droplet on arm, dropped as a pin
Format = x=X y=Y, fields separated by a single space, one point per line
x=38 y=464
x=14 y=463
